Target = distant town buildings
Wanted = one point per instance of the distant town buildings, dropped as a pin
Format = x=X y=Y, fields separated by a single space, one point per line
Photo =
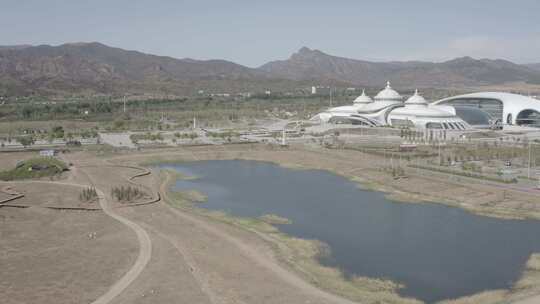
x=48 y=153
x=320 y=90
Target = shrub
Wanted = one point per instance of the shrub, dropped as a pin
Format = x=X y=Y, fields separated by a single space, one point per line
x=34 y=168
x=88 y=194
x=127 y=194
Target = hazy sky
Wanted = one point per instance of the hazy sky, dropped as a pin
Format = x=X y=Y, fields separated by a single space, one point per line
x=253 y=32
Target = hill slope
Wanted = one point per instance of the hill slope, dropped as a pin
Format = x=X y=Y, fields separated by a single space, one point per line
x=465 y=71
x=79 y=68
x=95 y=67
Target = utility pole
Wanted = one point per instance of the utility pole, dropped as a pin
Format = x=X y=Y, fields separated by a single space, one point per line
x=439 y=153
x=330 y=97
x=194 y=123
x=124 y=103
x=529 y=166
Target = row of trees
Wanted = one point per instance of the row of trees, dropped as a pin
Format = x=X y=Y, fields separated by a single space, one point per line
x=125 y=194
x=88 y=194
x=428 y=135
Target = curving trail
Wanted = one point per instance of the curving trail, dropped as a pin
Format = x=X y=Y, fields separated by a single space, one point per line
x=145 y=248
x=145 y=252
x=145 y=244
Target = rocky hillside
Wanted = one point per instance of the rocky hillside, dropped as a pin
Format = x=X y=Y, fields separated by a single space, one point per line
x=93 y=68
x=459 y=72
x=534 y=66
x=98 y=68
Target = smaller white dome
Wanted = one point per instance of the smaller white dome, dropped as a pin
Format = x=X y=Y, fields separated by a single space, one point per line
x=363 y=98
x=388 y=94
x=416 y=99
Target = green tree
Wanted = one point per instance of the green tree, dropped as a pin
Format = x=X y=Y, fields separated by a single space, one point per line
x=26 y=141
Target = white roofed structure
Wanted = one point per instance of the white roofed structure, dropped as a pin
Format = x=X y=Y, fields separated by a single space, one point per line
x=388 y=109
x=496 y=107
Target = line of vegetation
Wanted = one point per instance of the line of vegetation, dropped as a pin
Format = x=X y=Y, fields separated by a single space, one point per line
x=191 y=135
x=88 y=195
x=275 y=219
x=126 y=194
x=35 y=168
x=465 y=174
x=146 y=136
x=192 y=196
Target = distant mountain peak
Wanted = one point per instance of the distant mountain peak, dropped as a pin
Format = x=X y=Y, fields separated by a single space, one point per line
x=95 y=67
x=310 y=64
x=306 y=52
x=304 y=49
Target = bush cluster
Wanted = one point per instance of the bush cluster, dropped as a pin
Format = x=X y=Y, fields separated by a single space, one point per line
x=126 y=194
x=88 y=194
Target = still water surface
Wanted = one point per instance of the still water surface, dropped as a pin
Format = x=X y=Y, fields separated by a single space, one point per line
x=437 y=252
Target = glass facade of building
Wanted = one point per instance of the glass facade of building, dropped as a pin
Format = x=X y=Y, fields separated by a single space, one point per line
x=492 y=107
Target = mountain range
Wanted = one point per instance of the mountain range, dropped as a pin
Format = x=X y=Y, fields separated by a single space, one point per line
x=94 y=68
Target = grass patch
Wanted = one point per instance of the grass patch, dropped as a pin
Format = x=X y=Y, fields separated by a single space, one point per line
x=191 y=196
x=274 y=219
x=35 y=168
x=490 y=296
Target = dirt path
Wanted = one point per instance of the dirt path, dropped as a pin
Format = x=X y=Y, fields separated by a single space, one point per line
x=145 y=245
x=200 y=277
x=145 y=252
x=253 y=254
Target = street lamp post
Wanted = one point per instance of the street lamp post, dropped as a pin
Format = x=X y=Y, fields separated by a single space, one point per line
x=529 y=166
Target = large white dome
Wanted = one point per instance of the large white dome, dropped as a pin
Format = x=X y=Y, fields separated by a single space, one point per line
x=416 y=99
x=363 y=98
x=388 y=94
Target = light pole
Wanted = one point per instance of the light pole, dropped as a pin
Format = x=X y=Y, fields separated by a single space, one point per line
x=439 y=153
x=529 y=166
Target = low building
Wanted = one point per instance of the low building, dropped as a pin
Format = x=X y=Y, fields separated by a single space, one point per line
x=48 y=153
x=484 y=109
x=320 y=90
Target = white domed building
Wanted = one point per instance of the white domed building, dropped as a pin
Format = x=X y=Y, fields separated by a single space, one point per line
x=388 y=109
x=388 y=95
x=417 y=113
x=362 y=100
x=343 y=114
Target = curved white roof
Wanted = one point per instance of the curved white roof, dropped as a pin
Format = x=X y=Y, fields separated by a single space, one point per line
x=432 y=111
x=377 y=106
x=343 y=109
x=416 y=99
x=388 y=94
x=513 y=104
x=363 y=98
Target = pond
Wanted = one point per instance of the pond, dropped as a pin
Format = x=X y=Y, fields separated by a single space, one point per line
x=437 y=252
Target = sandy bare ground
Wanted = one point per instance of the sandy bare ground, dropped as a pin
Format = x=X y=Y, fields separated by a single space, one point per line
x=8 y=160
x=51 y=256
x=159 y=254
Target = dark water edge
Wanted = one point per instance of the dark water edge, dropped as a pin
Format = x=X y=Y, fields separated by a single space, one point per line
x=438 y=252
